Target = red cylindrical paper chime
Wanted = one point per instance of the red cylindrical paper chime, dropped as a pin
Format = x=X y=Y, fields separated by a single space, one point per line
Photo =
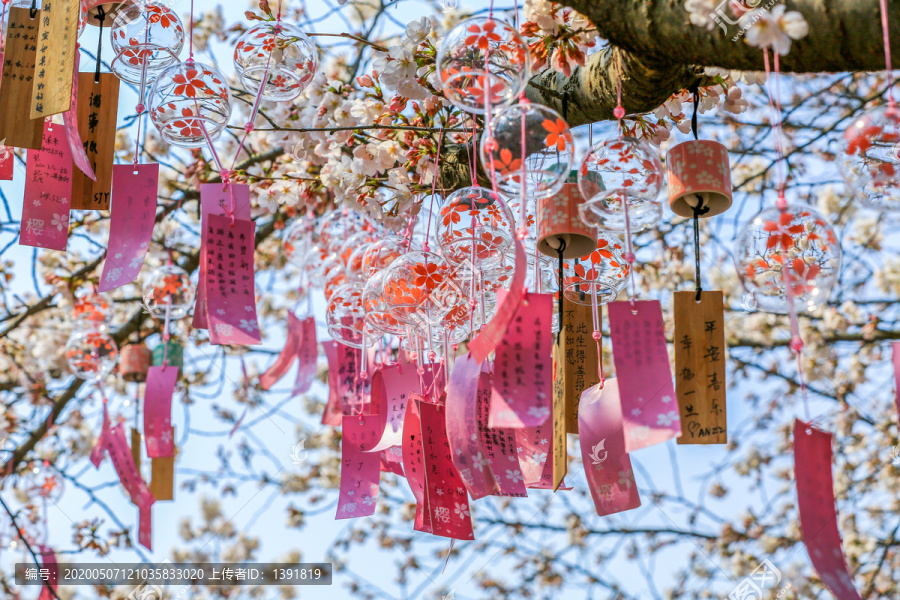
x=559 y=223
x=699 y=175
x=134 y=362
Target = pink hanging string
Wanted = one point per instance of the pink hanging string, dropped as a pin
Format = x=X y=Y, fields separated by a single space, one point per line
x=619 y=114
x=885 y=30
x=782 y=205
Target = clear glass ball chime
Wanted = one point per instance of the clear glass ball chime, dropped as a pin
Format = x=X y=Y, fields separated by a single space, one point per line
x=168 y=293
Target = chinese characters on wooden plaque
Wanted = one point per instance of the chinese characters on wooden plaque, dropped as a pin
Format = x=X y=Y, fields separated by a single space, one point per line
x=97 y=106
x=577 y=368
x=17 y=128
x=700 y=367
x=54 y=70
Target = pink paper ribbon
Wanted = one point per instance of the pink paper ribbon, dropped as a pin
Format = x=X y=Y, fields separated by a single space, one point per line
x=48 y=192
x=360 y=470
x=391 y=390
x=307 y=356
x=48 y=561
x=818 y=517
x=414 y=465
x=602 y=437
x=214 y=200
x=486 y=340
x=230 y=289
x=287 y=355
x=645 y=379
x=70 y=118
x=392 y=460
x=132 y=215
x=467 y=452
x=158 y=411
x=523 y=369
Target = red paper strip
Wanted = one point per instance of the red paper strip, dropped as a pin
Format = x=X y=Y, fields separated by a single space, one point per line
x=48 y=192
x=414 y=465
x=70 y=118
x=7 y=156
x=818 y=516
x=99 y=449
x=137 y=490
x=131 y=223
x=158 y=411
x=391 y=389
x=448 y=502
x=216 y=199
x=486 y=340
x=606 y=463
x=347 y=392
x=523 y=369
x=466 y=448
x=287 y=355
x=230 y=289
x=645 y=379
x=360 y=470
x=48 y=561
x=307 y=356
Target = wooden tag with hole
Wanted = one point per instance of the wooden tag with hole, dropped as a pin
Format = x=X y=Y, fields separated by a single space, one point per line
x=54 y=70
x=579 y=360
x=162 y=477
x=700 y=355
x=560 y=455
x=17 y=128
x=97 y=112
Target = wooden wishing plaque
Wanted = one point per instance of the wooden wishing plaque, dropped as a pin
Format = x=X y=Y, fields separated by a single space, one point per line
x=577 y=367
x=17 y=128
x=54 y=72
x=700 y=367
x=162 y=476
x=558 y=443
x=97 y=105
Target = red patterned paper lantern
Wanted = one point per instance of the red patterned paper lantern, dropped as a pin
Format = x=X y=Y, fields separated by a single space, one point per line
x=698 y=174
x=559 y=221
x=134 y=362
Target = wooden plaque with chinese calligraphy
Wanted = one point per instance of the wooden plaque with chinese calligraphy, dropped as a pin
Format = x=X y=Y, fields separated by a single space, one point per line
x=700 y=367
x=162 y=476
x=97 y=105
x=54 y=71
x=578 y=367
x=17 y=128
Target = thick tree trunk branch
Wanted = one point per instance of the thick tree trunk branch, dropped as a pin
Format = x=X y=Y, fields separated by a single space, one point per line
x=844 y=35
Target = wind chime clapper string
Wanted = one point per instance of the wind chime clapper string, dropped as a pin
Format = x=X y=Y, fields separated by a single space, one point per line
x=796 y=344
x=619 y=114
x=698 y=206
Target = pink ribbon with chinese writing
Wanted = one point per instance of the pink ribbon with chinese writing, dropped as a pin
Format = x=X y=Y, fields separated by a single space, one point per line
x=602 y=437
x=70 y=118
x=818 y=517
x=347 y=392
x=233 y=200
x=131 y=222
x=448 y=502
x=523 y=369
x=486 y=340
x=99 y=448
x=230 y=289
x=48 y=192
x=360 y=470
x=414 y=465
x=287 y=355
x=158 y=411
x=466 y=449
x=645 y=379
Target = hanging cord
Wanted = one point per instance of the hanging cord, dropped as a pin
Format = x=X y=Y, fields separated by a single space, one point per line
x=559 y=253
x=34 y=9
x=699 y=209
x=101 y=16
x=887 y=52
